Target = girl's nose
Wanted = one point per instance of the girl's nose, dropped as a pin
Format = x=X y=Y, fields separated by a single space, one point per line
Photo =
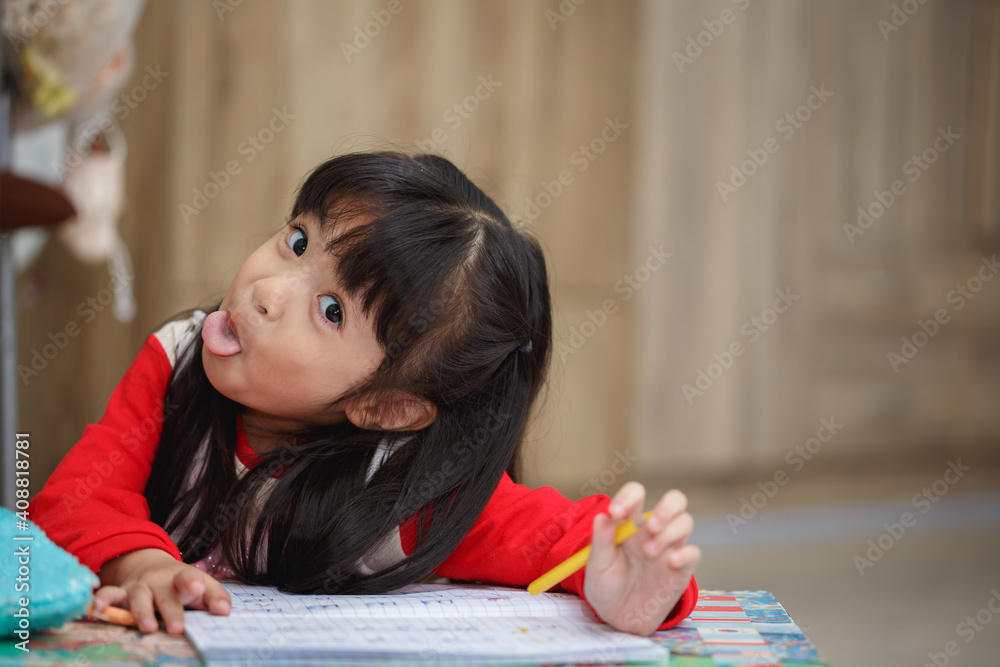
x=270 y=294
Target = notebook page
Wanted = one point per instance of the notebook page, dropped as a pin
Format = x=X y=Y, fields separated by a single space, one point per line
x=413 y=601
x=264 y=638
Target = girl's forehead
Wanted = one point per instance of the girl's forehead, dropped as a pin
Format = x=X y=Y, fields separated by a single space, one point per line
x=334 y=224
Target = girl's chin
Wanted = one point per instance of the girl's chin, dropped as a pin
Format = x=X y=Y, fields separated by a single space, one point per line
x=216 y=373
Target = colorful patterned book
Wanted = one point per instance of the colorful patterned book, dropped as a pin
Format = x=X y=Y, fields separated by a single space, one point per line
x=737 y=628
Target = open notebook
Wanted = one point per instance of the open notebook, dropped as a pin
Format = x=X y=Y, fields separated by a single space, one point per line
x=431 y=623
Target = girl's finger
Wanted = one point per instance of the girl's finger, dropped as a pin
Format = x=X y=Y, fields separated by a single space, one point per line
x=674 y=535
x=110 y=595
x=189 y=586
x=670 y=505
x=628 y=502
x=684 y=559
x=140 y=602
x=217 y=598
x=665 y=511
x=170 y=608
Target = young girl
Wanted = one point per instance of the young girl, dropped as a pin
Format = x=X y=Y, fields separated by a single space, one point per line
x=349 y=421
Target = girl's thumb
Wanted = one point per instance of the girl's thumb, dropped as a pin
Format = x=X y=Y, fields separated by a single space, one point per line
x=602 y=543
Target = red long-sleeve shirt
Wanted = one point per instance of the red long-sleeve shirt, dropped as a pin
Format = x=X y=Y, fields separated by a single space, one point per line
x=93 y=504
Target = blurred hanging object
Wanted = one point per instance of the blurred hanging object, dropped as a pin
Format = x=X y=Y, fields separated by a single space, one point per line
x=96 y=187
x=68 y=61
x=69 y=58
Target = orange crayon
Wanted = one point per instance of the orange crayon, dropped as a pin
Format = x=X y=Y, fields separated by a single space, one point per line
x=112 y=615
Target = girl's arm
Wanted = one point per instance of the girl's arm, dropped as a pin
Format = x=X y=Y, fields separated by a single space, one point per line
x=522 y=533
x=93 y=504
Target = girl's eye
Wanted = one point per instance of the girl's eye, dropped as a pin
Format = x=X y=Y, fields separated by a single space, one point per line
x=331 y=309
x=297 y=242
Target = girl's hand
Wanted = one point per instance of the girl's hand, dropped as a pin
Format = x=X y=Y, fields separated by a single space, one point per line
x=634 y=585
x=147 y=577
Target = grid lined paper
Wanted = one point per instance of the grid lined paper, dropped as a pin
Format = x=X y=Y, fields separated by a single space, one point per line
x=420 y=622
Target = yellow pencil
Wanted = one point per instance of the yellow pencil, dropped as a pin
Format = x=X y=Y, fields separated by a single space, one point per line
x=579 y=559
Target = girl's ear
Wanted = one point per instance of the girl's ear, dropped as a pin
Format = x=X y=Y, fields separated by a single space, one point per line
x=397 y=412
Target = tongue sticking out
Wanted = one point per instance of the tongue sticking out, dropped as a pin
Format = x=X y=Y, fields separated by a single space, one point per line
x=219 y=340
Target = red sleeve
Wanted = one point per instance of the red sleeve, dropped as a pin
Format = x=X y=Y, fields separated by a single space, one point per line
x=93 y=504
x=523 y=533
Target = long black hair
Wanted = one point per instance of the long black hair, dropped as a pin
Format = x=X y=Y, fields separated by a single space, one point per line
x=460 y=303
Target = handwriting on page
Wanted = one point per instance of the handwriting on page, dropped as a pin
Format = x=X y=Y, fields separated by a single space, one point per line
x=417 y=600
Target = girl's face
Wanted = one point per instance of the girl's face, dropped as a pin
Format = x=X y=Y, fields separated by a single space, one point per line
x=303 y=341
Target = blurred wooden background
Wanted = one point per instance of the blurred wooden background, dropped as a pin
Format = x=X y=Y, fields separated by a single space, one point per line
x=642 y=126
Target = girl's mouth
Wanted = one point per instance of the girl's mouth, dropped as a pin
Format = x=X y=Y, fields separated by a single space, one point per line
x=219 y=335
